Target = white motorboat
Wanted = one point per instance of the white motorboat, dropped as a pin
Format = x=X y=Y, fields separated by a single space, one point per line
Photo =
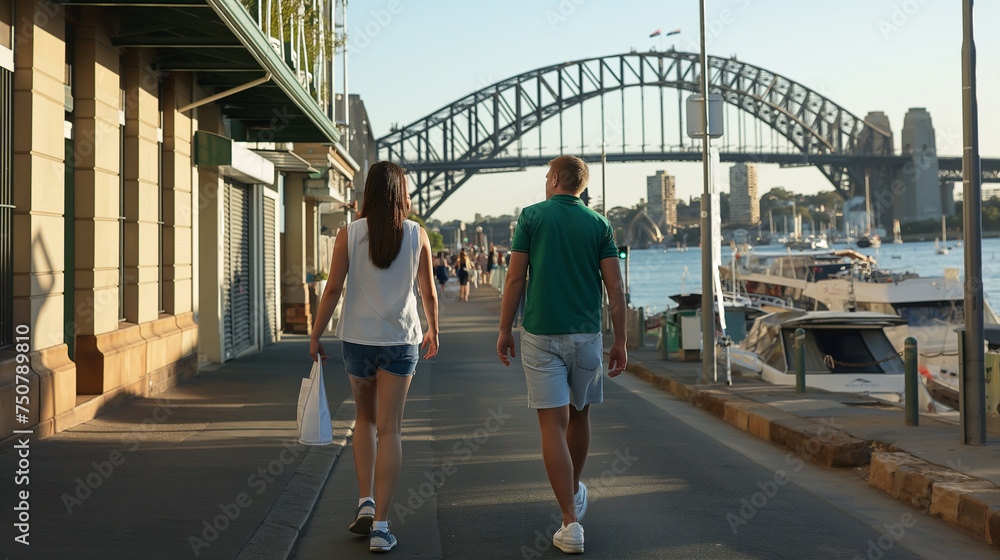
x=844 y=352
x=848 y=280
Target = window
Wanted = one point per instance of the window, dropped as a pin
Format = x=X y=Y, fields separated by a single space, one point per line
x=159 y=187
x=6 y=173
x=121 y=188
x=6 y=206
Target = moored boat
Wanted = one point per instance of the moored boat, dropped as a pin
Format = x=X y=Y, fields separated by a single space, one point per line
x=844 y=352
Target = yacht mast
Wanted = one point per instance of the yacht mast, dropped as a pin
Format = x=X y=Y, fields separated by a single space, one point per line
x=868 y=207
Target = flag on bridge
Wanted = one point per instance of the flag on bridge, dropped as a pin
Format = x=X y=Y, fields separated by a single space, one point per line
x=674 y=32
x=655 y=33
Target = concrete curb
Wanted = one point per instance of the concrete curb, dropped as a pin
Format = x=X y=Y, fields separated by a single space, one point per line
x=277 y=535
x=813 y=441
x=969 y=503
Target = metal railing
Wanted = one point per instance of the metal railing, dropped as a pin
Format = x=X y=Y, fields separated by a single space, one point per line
x=498 y=278
x=300 y=31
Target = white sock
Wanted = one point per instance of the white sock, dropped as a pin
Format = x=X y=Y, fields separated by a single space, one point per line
x=362 y=501
x=380 y=526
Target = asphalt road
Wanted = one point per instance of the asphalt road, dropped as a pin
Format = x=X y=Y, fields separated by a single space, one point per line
x=666 y=479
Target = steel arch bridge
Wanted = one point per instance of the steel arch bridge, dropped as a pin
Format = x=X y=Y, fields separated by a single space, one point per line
x=474 y=134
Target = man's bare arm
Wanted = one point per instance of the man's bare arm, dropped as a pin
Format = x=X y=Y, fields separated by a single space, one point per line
x=517 y=272
x=612 y=275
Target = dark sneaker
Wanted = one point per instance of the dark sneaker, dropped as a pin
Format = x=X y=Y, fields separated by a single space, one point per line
x=363 y=518
x=569 y=538
x=381 y=541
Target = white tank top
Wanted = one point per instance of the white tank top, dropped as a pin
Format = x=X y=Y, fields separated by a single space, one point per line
x=380 y=305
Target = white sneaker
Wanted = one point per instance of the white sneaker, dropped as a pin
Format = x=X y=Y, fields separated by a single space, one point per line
x=569 y=538
x=580 y=501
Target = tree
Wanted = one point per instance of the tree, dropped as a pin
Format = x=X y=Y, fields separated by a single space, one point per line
x=779 y=193
x=436 y=239
x=829 y=200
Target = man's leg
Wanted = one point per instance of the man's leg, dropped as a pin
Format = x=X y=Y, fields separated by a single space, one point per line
x=578 y=441
x=557 y=458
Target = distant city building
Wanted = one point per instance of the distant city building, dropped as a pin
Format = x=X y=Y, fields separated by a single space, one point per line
x=744 y=206
x=661 y=191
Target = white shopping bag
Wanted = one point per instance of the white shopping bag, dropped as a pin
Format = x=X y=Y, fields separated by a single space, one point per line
x=313 y=412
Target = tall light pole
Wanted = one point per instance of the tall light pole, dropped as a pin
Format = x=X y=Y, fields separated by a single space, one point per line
x=604 y=190
x=707 y=299
x=973 y=384
x=347 y=99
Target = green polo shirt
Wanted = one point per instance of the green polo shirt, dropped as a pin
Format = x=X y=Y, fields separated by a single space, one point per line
x=565 y=242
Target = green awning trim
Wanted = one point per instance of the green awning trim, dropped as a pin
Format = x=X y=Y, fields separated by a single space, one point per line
x=212 y=149
x=245 y=28
x=222 y=42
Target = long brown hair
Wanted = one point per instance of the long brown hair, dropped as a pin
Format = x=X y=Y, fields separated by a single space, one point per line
x=385 y=208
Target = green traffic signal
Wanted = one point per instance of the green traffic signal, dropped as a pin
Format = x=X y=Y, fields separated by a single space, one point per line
x=623 y=252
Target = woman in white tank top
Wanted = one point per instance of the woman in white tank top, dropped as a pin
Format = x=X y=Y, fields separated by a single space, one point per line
x=384 y=258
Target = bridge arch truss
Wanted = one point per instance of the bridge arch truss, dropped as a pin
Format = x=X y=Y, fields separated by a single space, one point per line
x=446 y=148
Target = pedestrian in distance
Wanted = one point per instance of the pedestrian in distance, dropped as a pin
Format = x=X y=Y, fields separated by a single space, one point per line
x=463 y=268
x=441 y=269
x=383 y=257
x=490 y=263
x=481 y=267
x=474 y=268
x=565 y=250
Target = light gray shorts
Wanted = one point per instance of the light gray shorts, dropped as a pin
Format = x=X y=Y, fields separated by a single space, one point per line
x=563 y=369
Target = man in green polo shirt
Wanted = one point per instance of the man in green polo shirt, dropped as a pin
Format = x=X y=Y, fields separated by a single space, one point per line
x=569 y=250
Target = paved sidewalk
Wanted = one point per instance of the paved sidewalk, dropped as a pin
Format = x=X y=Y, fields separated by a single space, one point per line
x=926 y=465
x=208 y=469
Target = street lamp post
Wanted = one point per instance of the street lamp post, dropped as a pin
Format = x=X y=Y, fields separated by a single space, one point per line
x=707 y=304
x=972 y=405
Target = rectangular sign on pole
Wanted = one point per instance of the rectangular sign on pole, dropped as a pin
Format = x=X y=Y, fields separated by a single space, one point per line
x=695 y=120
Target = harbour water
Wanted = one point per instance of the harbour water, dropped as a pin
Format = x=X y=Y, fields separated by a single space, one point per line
x=655 y=274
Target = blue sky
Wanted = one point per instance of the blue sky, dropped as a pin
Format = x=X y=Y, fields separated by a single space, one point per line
x=408 y=58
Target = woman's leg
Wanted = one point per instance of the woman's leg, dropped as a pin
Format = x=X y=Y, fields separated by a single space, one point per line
x=363 y=442
x=392 y=391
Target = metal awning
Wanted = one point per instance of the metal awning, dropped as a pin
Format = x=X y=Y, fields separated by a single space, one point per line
x=285 y=160
x=219 y=40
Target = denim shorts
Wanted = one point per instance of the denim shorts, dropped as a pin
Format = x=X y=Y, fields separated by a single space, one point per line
x=563 y=369
x=362 y=360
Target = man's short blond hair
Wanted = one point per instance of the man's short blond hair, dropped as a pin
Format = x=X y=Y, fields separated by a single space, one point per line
x=572 y=172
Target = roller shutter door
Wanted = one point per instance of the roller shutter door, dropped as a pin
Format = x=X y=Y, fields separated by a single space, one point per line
x=236 y=304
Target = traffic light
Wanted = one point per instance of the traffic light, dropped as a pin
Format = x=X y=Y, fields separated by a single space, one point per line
x=623 y=252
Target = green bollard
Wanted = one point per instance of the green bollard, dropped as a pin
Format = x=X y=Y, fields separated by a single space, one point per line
x=800 y=361
x=910 y=375
x=642 y=328
x=665 y=349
